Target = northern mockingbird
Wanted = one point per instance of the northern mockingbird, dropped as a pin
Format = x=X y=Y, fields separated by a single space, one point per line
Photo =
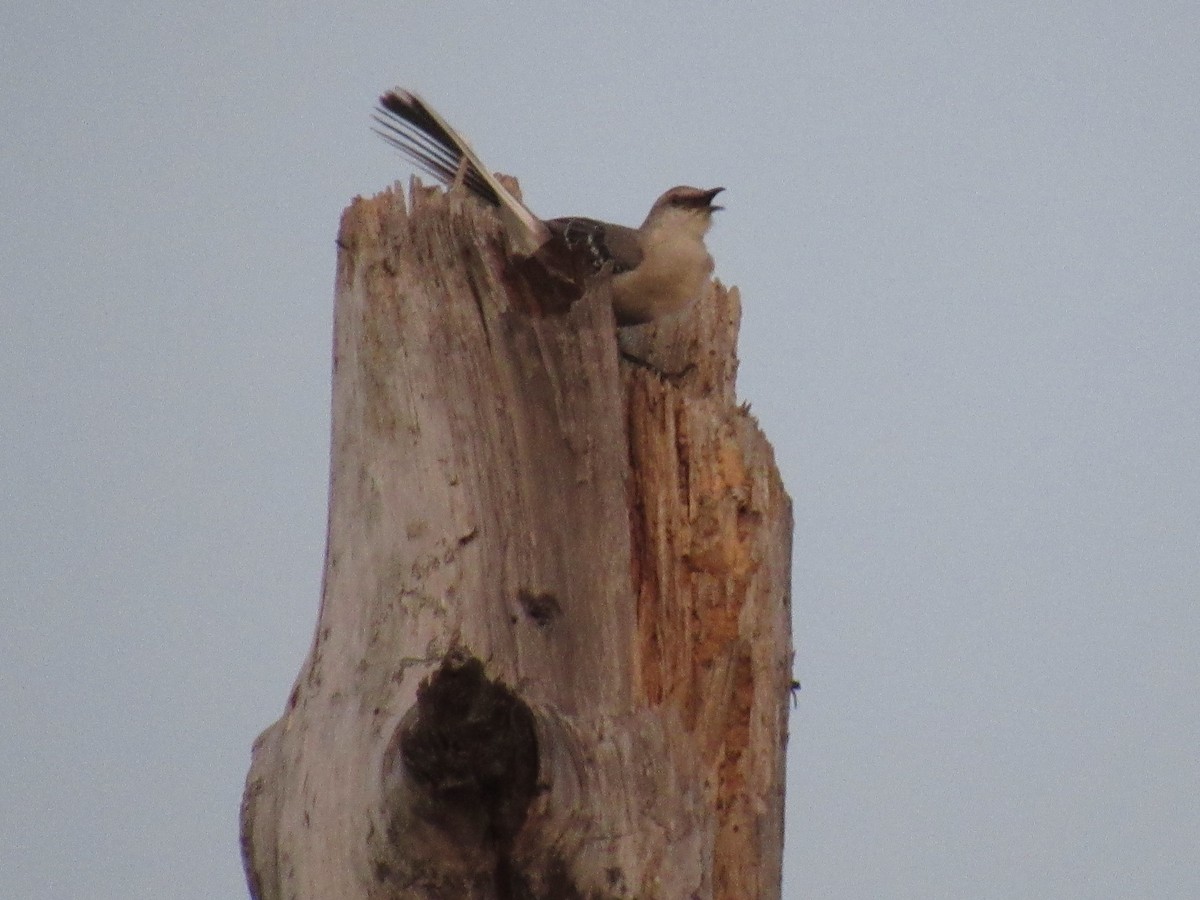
x=656 y=269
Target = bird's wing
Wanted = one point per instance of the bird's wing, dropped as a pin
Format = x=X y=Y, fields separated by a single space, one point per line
x=601 y=243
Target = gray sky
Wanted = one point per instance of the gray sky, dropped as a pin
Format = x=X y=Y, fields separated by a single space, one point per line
x=966 y=236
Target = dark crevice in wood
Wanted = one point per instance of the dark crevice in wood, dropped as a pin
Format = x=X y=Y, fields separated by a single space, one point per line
x=472 y=746
x=543 y=608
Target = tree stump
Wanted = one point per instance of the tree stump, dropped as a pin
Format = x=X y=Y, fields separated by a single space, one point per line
x=553 y=653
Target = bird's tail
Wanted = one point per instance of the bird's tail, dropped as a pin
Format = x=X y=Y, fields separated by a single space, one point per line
x=414 y=128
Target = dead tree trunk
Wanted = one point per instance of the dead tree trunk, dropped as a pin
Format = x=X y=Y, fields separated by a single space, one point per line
x=553 y=652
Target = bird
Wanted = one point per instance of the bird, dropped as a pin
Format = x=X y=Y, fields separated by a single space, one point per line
x=658 y=268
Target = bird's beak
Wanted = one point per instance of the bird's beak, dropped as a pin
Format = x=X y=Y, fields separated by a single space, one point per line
x=709 y=195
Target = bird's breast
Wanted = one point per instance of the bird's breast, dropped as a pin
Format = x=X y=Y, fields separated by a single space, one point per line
x=672 y=274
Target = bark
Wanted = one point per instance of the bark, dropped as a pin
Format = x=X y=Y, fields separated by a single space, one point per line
x=553 y=655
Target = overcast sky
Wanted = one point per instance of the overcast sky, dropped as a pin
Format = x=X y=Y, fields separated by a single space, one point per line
x=967 y=240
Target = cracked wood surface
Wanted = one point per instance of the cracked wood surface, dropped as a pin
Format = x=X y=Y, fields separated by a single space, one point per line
x=605 y=546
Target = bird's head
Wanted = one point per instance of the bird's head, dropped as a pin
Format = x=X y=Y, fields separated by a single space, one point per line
x=685 y=207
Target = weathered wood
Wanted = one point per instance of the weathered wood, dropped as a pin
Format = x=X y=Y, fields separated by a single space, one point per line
x=553 y=653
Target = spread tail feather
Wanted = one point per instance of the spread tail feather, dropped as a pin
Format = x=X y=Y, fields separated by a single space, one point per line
x=425 y=139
